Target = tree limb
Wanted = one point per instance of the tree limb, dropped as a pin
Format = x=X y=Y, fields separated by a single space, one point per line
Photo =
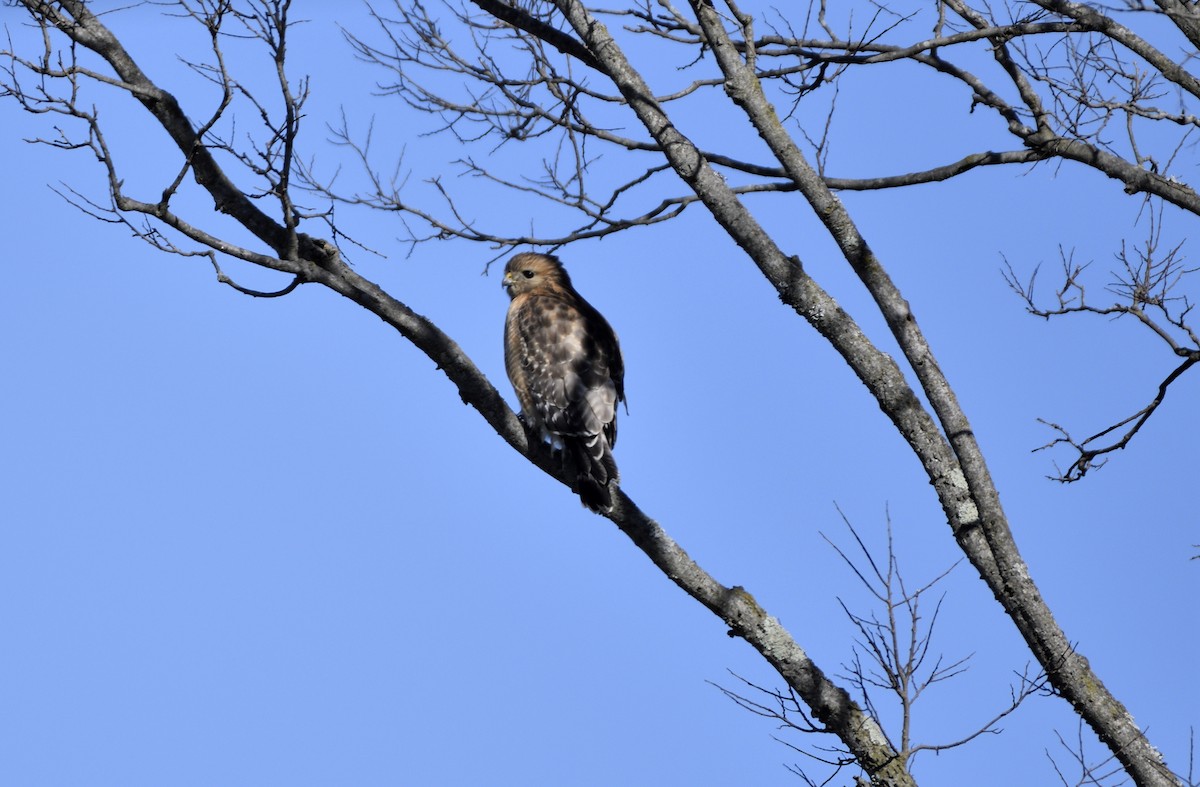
x=317 y=261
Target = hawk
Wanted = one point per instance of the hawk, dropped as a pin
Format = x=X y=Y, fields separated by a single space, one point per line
x=565 y=365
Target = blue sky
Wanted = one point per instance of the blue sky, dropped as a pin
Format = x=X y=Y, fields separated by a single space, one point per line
x=249 y=542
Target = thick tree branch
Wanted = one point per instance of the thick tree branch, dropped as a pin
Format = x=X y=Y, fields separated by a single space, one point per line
x=801 y=292
x=996 y=557
x=319 y=262
x=514 y=110
x=1092 y=19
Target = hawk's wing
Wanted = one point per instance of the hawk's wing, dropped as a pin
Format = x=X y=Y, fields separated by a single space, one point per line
x=567 y=370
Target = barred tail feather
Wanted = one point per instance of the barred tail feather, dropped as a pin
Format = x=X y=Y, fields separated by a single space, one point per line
x=596 y=470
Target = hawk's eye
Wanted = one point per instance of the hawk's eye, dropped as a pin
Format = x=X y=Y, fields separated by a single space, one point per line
x=527 y=274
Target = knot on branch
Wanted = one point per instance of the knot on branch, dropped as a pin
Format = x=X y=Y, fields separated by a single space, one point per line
x=320 y=252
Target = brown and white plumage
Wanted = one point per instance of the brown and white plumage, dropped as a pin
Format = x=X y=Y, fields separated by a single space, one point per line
x=565 y=365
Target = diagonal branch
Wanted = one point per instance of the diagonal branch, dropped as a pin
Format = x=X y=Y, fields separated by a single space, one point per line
x=522 y=20
x=319 y=262
x=75 y=19
x=1087 y=459
x=996 y=555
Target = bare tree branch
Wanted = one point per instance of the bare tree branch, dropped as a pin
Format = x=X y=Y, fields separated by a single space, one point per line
x=1065 y=82
x=313 y=260
x=1148 y=286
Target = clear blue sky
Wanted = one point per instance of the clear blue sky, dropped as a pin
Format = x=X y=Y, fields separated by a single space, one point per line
x=248 y=542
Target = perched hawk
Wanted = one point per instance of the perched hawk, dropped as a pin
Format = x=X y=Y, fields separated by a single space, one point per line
x=565 y=364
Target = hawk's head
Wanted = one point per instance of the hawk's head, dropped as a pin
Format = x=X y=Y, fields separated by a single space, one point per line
x=528 y=271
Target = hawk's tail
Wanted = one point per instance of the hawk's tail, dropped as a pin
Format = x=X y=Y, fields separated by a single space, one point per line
x=596 y=470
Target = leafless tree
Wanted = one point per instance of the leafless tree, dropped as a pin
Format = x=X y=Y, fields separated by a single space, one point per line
x=894 y=662
x=1070 y=84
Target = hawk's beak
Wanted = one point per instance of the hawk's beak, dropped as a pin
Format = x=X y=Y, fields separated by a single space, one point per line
x=507 y=281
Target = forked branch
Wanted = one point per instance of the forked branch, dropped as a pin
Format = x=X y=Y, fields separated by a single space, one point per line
x=313 y=260
x=1150 y=286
